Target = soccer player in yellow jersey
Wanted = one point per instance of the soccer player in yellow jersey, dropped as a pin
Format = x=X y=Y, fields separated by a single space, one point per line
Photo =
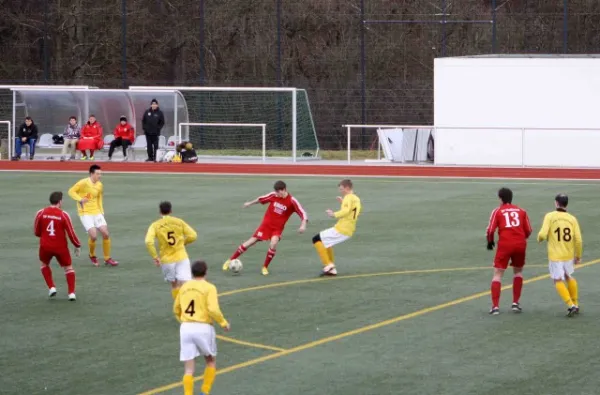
x=565 y=247
x=88 y=193
x=197 y=307
x=343 y=229
x=173 y=235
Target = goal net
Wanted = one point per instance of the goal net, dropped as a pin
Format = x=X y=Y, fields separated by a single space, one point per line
x=393 y=143
x=289 y=133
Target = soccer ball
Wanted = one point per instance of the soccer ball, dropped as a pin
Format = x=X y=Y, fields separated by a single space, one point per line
x=236 y=266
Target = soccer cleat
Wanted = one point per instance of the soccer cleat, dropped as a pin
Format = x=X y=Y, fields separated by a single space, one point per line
x=226 y=265
x=516 y=308
x=111 y=262
x=72 y=297
x=84 y=158
x=109 y=159
x=572 y=311
x=94 y=260
x=52 y=292
x=495 y=311
x=125 y=159
x=91 y=158
x=265 y=271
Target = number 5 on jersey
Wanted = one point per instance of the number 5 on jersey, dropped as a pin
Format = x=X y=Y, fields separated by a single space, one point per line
x=171 y=239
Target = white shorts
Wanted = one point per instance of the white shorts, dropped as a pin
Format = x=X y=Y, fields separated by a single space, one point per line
x=331 y=237
x=196 y=339
x=92 y=221
x=177 y=271
x=561 y=269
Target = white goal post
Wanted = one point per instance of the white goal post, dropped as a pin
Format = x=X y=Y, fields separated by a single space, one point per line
x=10 y=139
x=263 y=127
x=413 y=145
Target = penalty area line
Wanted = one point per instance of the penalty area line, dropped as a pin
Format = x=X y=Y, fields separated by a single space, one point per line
x=357 y=331
x=249 y=344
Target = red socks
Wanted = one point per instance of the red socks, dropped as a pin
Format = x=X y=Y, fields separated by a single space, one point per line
x=496 y=288
x=83 y=153
x=517 y=287
x=47 y=273
x=269 y=257
x=241 y=249
x=70 y=274
x=91 y=152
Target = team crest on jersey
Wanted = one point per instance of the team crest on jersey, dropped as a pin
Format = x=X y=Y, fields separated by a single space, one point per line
x=279 y=208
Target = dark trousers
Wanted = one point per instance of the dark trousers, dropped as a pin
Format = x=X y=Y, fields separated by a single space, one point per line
x=118 y=142
x=151 y=146
x=20 y=143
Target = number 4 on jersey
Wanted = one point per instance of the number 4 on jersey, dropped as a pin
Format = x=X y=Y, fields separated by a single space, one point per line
x=512 y=220
x=50 y=228
x=191 y=309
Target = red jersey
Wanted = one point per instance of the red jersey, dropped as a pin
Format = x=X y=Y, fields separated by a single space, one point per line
x=280 y=210
x=92 y=130
x=52 y=225
x=512 y=223
x=126 y=132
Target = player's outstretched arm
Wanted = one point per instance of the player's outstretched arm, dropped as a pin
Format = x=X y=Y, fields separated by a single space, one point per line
x=37 y=225
x=74 y=192
x=578 y=241
x=190 y=234
x=251 y=202
x=177 y=308
x=149 y=240
x=214 y=311
x=543 y=234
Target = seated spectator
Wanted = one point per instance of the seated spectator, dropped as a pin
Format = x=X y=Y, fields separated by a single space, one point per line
x=27 y=134
x=71 y=137
x=91 y=138
x=124 y=136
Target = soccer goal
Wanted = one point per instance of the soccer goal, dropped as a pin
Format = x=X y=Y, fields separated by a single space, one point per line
x=248 y=138
x=289 y=132
x=392 y=143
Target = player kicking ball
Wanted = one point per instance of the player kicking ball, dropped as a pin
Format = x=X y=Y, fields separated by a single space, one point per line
x=52 y=225
x=197 y=308
x=343 y=230
x=173 y=234
x=281 y=207
x=88 y=193
x=565 y=246
x=514 y=228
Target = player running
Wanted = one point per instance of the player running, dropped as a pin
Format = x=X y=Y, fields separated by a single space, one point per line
x=281 y=207
x=173 y=235
x=514 y=229
x=88 y=193
x=51 y=224
x=343 y=229
x=197 y=307
x=565 y=246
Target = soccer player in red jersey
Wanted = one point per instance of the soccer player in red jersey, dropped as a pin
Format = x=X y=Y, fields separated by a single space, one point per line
x=281 y=207
x=514 y=228
x=52 y=225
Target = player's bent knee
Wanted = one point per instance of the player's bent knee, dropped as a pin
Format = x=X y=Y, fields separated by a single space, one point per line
x=316 y=238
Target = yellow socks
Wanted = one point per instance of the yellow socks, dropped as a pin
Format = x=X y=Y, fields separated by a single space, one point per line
x=330 y=255
x=174 y=293
x=188 y=384
x=323 y=254
x=106 y=248
x=563 y=292
x=573 y=290
x=92 y=245
x=209 y=378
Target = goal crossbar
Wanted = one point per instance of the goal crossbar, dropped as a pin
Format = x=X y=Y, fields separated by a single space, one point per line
x=263 y=127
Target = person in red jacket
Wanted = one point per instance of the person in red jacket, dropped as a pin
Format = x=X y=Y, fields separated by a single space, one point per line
x=124 y=137
x=91 y=138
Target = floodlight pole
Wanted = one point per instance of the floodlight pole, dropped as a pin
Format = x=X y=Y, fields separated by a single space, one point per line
x=124 y=42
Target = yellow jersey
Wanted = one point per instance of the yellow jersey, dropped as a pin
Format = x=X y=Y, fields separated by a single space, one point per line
x=92 y=191
x=562 y=231
x=348 y=214
x=197 y=302
x=173 y=235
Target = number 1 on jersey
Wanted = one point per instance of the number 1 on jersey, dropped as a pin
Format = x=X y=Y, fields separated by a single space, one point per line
x=354 y=210
x=512 y=220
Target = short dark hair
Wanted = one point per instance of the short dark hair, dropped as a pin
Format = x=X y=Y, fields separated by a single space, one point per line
x=199 y=268
x=73 y=117
x=562 y=200
x=29 y=119
x=93 y=168
x=346 y=183
x=165 y=208
x=55 y=197
x=506 y=195
x=279 y=186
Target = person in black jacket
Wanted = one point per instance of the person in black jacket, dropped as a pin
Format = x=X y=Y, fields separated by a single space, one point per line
x=27 y=134
x=152 y=123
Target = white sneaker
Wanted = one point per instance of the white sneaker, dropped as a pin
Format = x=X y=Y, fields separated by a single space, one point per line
x=52 y=292
x=72 y=297
x=125 y=159
x=328 y=268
